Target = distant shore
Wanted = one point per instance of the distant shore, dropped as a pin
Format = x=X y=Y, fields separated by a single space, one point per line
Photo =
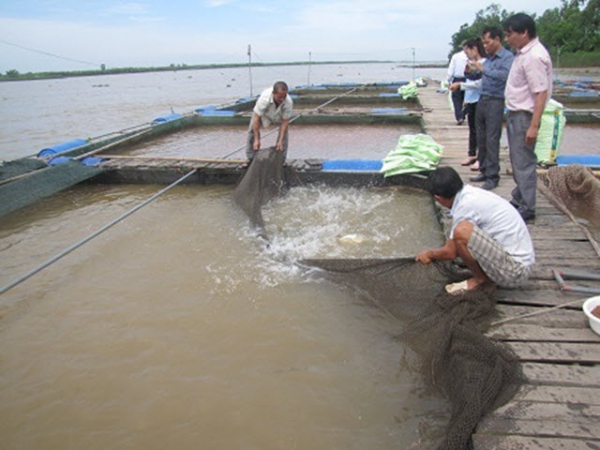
x=562 y=72
x=16 y=76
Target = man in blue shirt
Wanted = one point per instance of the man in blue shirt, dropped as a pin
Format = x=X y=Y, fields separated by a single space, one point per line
x=490 y=110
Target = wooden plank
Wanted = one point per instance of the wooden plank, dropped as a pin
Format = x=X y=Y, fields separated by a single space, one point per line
x=538 y=411
x=559 y=255
x=568 y=247
x=551 y=297
x=562 y=374
x=554 y=352
x=548 y=412
x=491 y=442
x=569 y=425
x=559 y=394
x=163 y=159
x=534 y=332
x=561 y=318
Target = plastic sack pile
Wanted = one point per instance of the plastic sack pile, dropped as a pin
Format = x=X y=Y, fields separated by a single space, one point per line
x=551 y=132
x=413 y=153
x=408 y=91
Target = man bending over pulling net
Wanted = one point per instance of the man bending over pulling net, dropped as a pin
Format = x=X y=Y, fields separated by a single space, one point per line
x=273 y=107
x=487 y=233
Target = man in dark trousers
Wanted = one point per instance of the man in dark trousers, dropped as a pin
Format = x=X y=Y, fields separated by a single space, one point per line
x=490 y=109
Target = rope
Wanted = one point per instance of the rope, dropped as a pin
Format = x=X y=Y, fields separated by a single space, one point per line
x=294 y=119
x=93 y=235
x=563 y=208
x=537 y=313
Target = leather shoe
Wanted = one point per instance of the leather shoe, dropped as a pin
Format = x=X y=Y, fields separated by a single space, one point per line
x=489 y=185
x=527 y=215
x=478 y=178
x=468 y=161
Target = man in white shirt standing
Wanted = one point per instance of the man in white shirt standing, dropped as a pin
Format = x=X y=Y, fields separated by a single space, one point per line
x=528 y=89
x=456 y=74
x=273 y=107
x=487 y=233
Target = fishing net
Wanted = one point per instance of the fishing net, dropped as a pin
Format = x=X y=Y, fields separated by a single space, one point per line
x=576 y=186
x=12 y=169
x=475 y=374
x=262 y=181
x=42 y=183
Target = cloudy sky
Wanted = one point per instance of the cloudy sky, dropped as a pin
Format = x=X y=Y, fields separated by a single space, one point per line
x=39 y=35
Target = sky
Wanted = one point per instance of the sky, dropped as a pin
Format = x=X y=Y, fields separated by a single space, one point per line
x=48 y=35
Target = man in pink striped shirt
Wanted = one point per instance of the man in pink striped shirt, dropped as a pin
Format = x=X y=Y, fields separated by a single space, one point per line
x=528 y=89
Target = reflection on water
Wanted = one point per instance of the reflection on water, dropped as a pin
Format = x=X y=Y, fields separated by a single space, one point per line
x=580 y=139
x=71 y=108
x=175 y=329
x=331 y=141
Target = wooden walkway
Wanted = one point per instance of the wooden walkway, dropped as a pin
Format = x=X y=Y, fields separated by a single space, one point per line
x=559 y=407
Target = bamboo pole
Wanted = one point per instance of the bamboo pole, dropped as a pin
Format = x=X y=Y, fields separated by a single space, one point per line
x=177 y=158
x=113 y=144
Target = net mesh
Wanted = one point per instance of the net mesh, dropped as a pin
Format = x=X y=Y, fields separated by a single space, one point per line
x=42 y=183
x=576 y=186
x=16 y=168
x=262 y=181
x=475 y=374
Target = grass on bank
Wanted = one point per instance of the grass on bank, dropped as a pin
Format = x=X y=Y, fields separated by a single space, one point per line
x=567 y=60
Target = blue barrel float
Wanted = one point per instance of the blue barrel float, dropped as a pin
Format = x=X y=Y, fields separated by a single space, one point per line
x=61 y=148
x=166 y=118
x=584 y=160
x=212 y=111
x=389 y=111
x=352 y=165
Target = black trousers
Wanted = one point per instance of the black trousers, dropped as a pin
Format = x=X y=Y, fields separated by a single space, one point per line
x=471 y=111
x=458 y=98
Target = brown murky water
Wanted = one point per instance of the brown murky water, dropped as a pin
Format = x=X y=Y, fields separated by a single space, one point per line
x=305 y=141
x=176 y=329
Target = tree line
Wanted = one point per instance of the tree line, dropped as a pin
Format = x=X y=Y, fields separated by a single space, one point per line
x=572 y=28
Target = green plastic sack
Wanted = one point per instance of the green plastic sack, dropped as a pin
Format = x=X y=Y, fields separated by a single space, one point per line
x=413 y=153
x=409 y=90
x=550 y=134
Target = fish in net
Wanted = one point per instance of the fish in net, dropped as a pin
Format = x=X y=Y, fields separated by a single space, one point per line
x=262 y=182
x=475 y=374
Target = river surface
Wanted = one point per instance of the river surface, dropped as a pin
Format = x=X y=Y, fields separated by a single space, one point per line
x=177 y=328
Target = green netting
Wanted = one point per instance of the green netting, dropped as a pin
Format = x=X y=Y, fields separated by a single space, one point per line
x=42 y=183
x=18 y=167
